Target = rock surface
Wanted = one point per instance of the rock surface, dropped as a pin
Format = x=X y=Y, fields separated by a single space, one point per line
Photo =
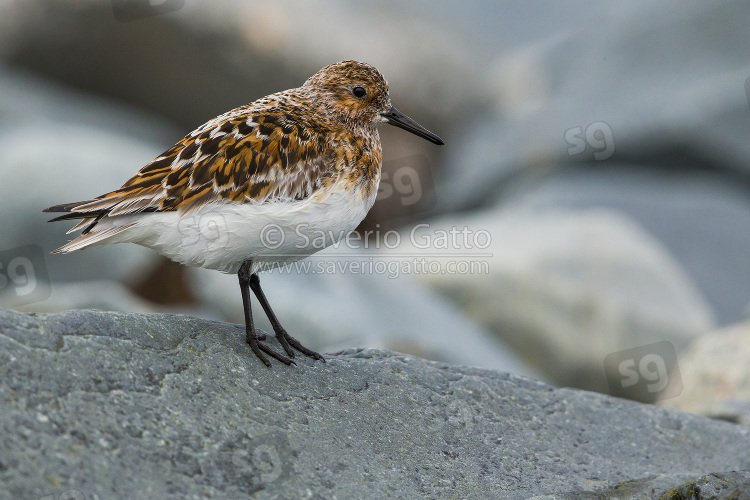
x=716 y=375
x=731 y=486
x=109 y=405
x=716 y=486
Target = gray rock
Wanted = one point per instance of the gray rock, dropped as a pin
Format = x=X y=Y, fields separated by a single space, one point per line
x=658 y=121
x=701 y=218
x=685 y=98
x=58 y=146
x=727 y=486
x=203 y=59
x=731 y=410
x=104 y=295
x=716 y=486
x=110 y=405
x=716 y=375
x=564 y=289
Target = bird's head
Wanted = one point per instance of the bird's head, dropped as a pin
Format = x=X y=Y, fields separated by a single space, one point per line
x=356 y=94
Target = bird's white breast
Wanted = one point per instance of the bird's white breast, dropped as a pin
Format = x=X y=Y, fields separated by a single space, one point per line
x=224 y=234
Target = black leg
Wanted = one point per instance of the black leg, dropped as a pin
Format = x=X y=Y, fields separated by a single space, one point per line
x=251 y=335
x=284 y=338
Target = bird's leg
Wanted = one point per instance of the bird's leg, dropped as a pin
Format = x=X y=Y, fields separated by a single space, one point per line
x=284 y=338
x=251 y=334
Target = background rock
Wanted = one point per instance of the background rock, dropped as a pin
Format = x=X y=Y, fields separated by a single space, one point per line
x=105 y=295
x=715 y=373
x=203 y=59
x=670 y=90
x=564 y=289
x=112 y=405
x=333 y=311
x=664 y=101
x=56 y=146
x=701 y=219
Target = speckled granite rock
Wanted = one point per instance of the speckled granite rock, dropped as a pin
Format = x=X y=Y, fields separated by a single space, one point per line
x=109 y=405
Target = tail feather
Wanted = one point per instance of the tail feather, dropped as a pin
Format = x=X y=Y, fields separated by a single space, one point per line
x=73 y=216
x=92 y=238
x=97 y=205
x=100 y=207
x=91 y=213
x=81 y=224
x=66 y=207
x=98 y=217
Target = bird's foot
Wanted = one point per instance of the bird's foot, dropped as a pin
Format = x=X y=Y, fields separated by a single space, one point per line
x=287 y=342
x=254 y=339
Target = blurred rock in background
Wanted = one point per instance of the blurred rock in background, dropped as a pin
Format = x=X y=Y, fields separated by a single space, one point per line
x=59 y=145
x=646 y=113
x=564 y=288
x=330 y=312
x=206 y=58
x=603 y=147
x=715 y=374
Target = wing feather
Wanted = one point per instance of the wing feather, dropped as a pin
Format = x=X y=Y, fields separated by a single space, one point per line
x=245 y=155
x=92 y=238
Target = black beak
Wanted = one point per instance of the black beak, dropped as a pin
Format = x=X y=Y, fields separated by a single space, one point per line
x=400 y=120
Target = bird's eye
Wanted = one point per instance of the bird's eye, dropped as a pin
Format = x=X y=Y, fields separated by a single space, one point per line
x=359 y=92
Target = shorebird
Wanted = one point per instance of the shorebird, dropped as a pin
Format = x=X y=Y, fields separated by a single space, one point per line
x=303 y=161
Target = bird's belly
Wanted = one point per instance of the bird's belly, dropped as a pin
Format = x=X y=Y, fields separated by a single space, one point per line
x=223 y=235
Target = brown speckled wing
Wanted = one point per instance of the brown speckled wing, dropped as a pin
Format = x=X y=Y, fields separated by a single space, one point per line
x=240 y=156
